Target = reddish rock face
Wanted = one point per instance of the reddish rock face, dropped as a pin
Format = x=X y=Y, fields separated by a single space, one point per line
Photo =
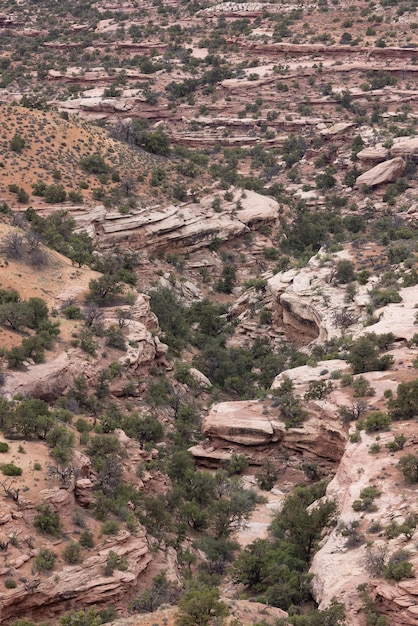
x=79 y=585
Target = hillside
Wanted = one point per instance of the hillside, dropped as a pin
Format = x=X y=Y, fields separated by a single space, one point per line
x=208 y=313
x=50 y=150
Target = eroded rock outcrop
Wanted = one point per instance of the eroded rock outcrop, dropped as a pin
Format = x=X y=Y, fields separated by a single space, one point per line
x=311 y=302
x=252 y=428
x=374 y=154
x=340 y=566
x=190 y=226
x=47 y=380
x=79 y=585
x=386 y=172
x=405 y=147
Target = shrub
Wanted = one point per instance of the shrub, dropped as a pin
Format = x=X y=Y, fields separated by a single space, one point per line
x=376 y=420
x=144 y=429
x=9 y=469
x=115 y=338
x=45 y=560
x=293 y=149
x=375 y=559
x=319 y=389
x=72 y=553
x=162 y=591
x=55 y=193
x=366 y=501
x=94 y=164
x=267 y=475
x=10 y=583
x=4 y=447
x=75 y=196
x=362 y=388
x=48 y=521
x=86 y=539
x=82 y=426
x=104 y=289
x=199 y=605
x=87 y=342
x=345 y=272
x=409 y=467
x=405 y=405
x=364 y=354
x=325 y=180
x=382 y=297
x=110 y=527
x=398 y=566
x=17 y=143
x=72 y=312
x=114 y=561
x=397 y=443
x=237 y=464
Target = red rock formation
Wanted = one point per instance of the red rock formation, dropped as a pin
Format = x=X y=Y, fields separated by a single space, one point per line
x=79 y=585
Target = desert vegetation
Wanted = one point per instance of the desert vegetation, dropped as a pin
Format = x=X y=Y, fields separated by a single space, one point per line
x=208 y=294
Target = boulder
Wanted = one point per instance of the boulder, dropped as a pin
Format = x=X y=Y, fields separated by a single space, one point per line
x=405 y=147
x=141 y=346
x=386 y=172
x=200 y=378
x=337 y=129
x=83 y=492
x=81 y=464
x=59 y=499
x=375 y=154
x=5 y=517
x=301 y=316
x=240 y=422
x=19 y=560
x=46 y=381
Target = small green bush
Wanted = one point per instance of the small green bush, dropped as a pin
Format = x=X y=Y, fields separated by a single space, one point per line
x=72 y=553
x=114 y=561
x=409 y=467
x=86 y=539
x=376 y=420
x=72 y=312
x=82 y=426
x=397 y=443
x=398 y=566
x=362 y=388
x=45 y=560
x=4 y=447
x=345 y=272
x=48 y=521
x=366 y=501
x=110 y=527
x=10 y=469
x=237 y=464
x=267 y=475
x=10 y=583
